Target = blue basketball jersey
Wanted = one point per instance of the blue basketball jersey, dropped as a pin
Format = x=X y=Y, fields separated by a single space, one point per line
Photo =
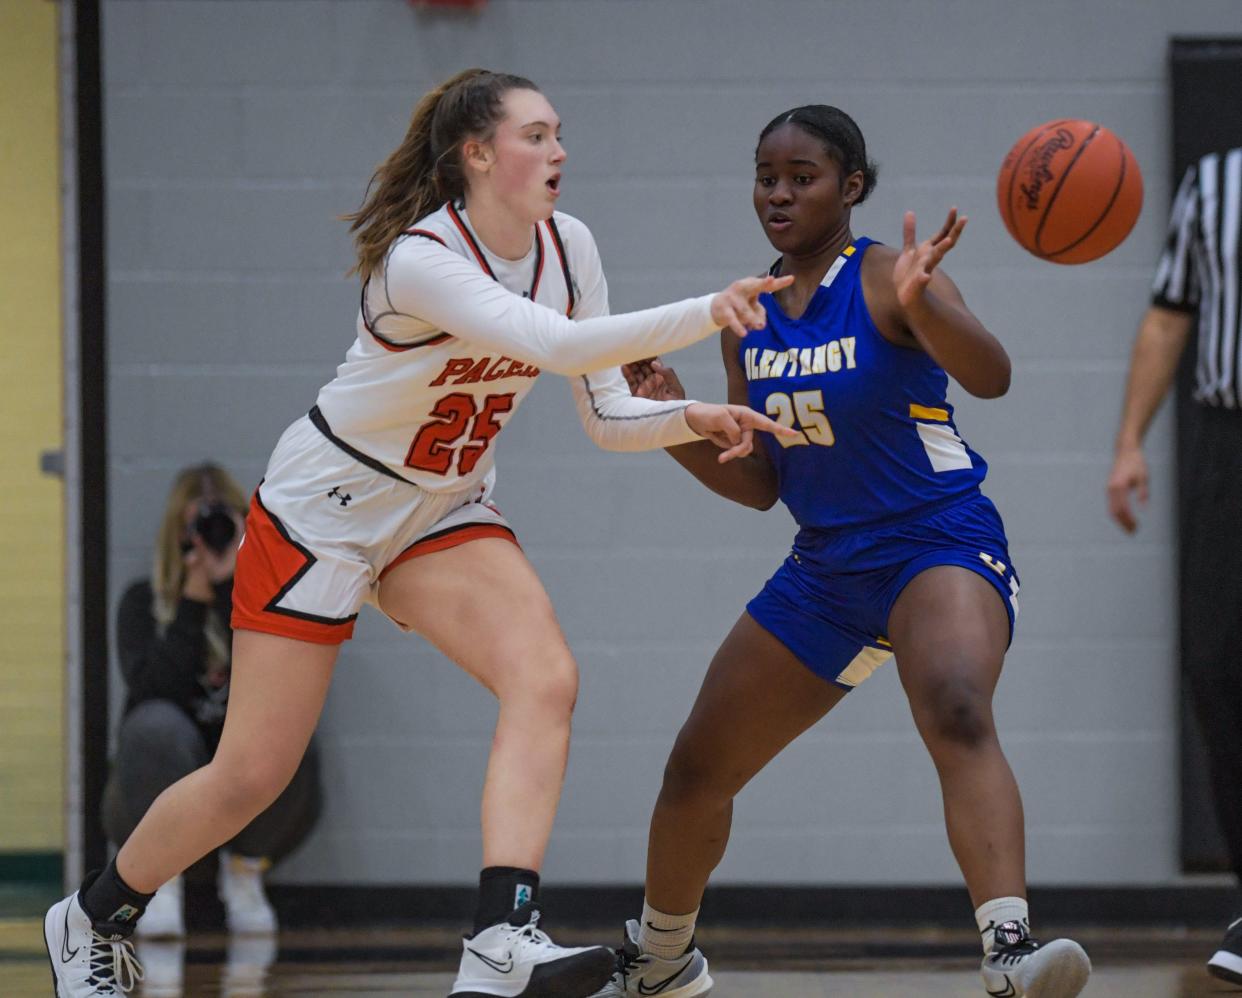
x=877 y=438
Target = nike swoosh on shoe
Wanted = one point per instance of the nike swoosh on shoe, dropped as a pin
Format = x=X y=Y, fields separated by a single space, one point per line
x=65 y=955
x=644 y=990
x=1009 y=992
x=500 y=968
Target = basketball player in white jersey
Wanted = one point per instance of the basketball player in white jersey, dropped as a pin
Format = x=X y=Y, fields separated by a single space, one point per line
x=382 y=493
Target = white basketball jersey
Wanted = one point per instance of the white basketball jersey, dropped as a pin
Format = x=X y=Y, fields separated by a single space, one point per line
x=419 y=403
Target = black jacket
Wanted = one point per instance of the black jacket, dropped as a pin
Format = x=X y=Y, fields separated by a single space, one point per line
x=172 y=666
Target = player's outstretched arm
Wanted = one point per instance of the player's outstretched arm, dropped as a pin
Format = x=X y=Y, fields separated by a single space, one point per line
x=932 y=309
x=616 y=420
x=431 y=282
x=739 y=472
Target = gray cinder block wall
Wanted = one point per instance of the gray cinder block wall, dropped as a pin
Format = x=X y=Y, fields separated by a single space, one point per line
x=236 y=130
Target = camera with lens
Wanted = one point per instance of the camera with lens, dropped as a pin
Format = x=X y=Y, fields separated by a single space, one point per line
x=215 y=525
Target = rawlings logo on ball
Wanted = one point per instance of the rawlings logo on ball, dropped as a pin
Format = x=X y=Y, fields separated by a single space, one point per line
x=1038 y=169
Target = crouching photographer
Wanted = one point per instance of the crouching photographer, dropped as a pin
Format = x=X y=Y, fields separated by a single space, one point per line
x=174 y=641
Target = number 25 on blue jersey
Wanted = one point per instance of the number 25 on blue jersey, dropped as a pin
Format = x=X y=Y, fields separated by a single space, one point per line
x=803 y=411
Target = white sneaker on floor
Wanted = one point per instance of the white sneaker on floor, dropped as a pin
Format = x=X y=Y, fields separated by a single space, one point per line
x=519 y=961
x=1020 y=967
x=246 y=967
x=639 y=973
x=165 y=914
x=163 y=965
x=246 y=908
x=88 y=961
x=1226 y=962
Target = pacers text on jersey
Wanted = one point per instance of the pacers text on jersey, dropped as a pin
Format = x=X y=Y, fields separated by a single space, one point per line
x=469 y=371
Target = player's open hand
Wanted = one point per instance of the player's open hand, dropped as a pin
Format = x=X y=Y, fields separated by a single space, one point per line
x=737 y=307
x=1129 y=475
x=650 y=379
x=731 y=427
x=913 y=270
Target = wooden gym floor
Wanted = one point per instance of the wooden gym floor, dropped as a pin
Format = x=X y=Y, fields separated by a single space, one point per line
x=1146 y=963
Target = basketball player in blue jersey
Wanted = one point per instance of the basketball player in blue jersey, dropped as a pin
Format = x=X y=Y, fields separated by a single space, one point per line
x=898 y=553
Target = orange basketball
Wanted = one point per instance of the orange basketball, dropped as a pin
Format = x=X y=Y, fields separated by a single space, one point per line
x=1069 y=191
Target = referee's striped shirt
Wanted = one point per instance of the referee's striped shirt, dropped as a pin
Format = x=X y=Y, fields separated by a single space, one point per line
x=1201 y=271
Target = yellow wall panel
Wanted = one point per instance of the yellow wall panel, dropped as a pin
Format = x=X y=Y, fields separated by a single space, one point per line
x=32 y=648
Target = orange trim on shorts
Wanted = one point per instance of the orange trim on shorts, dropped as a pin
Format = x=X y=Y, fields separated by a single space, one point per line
x=269 y=564
x=451 y=538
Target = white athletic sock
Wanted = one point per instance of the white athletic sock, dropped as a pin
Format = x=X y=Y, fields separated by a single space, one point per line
x=665 y=936
x=993 y=913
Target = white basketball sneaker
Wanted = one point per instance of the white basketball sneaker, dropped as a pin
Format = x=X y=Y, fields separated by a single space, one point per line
x=639 y=973
x=165 y=914
x=1020 y=966
x=247 y=910
x=1226 y=962
x=88 y=960
x=519 y=961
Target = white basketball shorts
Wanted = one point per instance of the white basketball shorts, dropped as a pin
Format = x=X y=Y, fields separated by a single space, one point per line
x=324 y=528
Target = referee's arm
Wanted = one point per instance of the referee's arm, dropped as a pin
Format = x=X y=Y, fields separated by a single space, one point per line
x=1162 y=337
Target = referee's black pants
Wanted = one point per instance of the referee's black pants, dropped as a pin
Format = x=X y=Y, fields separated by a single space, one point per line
x=1211 y=601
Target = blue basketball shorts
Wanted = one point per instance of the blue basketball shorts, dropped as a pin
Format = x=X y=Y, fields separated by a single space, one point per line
x=830 y=601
